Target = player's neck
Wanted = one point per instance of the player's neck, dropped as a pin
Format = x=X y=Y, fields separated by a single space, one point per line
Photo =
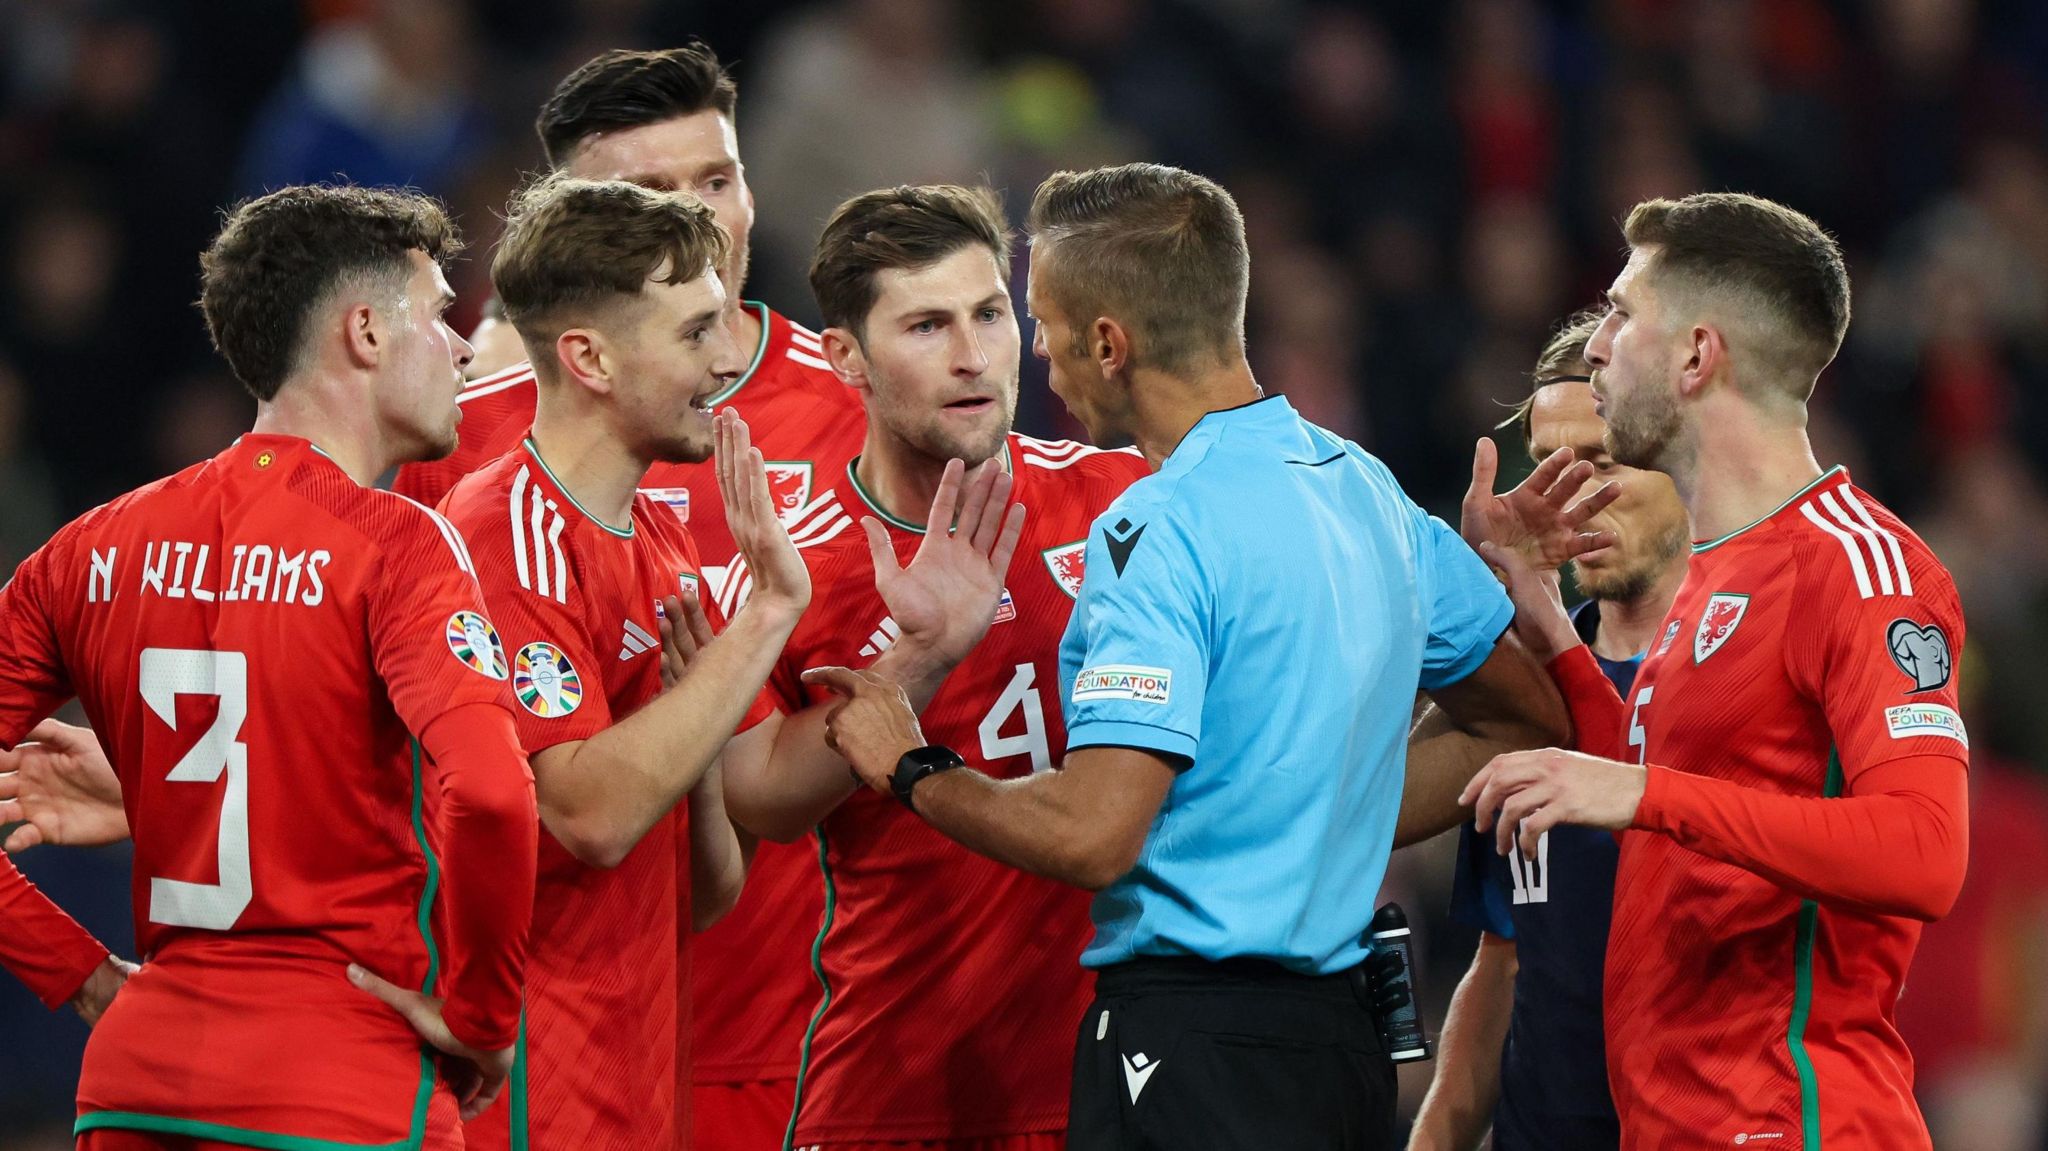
x=1165 y=408
x=333 y=418
x=1746 y=468
x=899 y=479
x=589 y=464
x=745 y=328
x=1629 y=626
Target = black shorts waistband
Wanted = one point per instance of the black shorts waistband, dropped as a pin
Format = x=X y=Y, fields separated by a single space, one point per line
x=1171 y=973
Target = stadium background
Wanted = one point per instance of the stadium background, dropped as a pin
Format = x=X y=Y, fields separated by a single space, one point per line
x=1429 y=184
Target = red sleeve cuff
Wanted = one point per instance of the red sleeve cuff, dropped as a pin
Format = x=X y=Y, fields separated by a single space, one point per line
x=1662 y=789
x=43 y=947
x=1597 y=710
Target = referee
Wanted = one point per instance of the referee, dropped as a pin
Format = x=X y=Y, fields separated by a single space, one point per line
x=1238 y=679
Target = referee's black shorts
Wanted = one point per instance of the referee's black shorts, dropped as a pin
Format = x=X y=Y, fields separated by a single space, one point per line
x=1188 y=1055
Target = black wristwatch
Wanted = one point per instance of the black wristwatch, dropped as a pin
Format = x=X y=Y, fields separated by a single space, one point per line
x=918 y=763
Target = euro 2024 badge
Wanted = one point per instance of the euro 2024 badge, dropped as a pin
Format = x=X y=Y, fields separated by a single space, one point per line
x=1724 y=613
x=545 y=682
x=475 y=642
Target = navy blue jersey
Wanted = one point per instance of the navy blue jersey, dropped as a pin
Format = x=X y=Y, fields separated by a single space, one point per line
x=1556 y=907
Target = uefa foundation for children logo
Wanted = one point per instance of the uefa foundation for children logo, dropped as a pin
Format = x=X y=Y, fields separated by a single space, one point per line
x=545 y=682
x=475 y=642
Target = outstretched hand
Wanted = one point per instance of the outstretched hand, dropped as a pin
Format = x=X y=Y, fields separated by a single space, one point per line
x=58 y=784
x=778 y=572
x=476 y=1076
x=946 y=598
x=1538 y=518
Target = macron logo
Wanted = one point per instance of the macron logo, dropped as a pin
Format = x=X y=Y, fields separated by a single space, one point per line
x=636 y=642
x=1138 y=1072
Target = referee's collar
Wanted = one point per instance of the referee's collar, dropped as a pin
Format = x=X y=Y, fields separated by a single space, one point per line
x=1268 y=417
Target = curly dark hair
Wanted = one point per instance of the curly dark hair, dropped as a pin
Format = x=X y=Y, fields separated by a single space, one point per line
x=279 y=255
x=625 y=89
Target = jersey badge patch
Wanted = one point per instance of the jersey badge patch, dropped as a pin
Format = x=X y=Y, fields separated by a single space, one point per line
x=1006 y=608
x=676 y=500
x=1724 y=613
x=475 y=642
x=1123 y=681
x=789 y=487
x=545 y=682
x=1670 y=636
x=1921 y=652
x=1067 y=563
x=1916 y=719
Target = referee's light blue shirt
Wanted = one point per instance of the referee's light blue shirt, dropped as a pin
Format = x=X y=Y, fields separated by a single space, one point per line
x=1262 y=611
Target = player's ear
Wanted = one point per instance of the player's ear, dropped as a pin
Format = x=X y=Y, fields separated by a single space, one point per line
x=364 y=335
x=584 y=359
x=1707 y=356
x=843 y=352
x=1110 y=345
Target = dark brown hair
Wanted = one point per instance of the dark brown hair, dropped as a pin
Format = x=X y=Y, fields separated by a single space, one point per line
x=1159 y=249
x=278 y=257
x=624 y=89
x=571 y=246
x=1777 y=265
x=1563 y=355
x=904 y=227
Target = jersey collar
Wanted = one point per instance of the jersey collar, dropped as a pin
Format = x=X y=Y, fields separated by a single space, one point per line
x=875 y=506
x=532 y=450
x=1699 y=548
x=760 y=353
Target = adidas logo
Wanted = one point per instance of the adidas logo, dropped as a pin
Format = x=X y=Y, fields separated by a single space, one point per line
x=883 y=639
x=636 y=642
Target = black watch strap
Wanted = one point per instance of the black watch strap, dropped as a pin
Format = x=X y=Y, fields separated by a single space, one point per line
x=918 y=763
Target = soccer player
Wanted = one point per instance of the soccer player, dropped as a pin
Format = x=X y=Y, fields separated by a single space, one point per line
x=1521 y=1048
x=615 y=293
x=283 y=664
x=1793 y=784
x=1238 y=677
x=666 y=120
x=952 y=984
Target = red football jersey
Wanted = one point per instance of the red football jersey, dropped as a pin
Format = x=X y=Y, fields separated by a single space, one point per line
x=952 y=985
x=576 y=598
x=806 y=423
x=1800 y=653
x=254 y=639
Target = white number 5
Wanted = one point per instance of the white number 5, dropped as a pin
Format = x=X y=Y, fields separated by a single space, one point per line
x=1638 y=735
x=168 y=673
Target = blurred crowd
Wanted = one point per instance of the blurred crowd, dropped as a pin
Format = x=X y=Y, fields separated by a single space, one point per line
x=1430 y=185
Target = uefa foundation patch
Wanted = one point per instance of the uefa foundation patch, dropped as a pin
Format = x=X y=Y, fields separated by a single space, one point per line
x=545 y=682
x=1915 y=719
x=1123 y=681
x=475 y=642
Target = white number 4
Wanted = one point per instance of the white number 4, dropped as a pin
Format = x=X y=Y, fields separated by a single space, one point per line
x=168 y=673
x=1018 y=696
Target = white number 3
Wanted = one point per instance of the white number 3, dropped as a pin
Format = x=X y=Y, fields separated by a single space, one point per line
x=168 y=673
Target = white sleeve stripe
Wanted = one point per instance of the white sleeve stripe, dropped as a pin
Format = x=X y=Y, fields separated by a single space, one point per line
x=482 y=388
x=536 y=505
x=808 y=360
x=1891 y=540
x=1848 y=542
x=806 y=339
x=1877 y=559
x=838 y=525
x=555 y=545
x=519 y=527
x=454 y=541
